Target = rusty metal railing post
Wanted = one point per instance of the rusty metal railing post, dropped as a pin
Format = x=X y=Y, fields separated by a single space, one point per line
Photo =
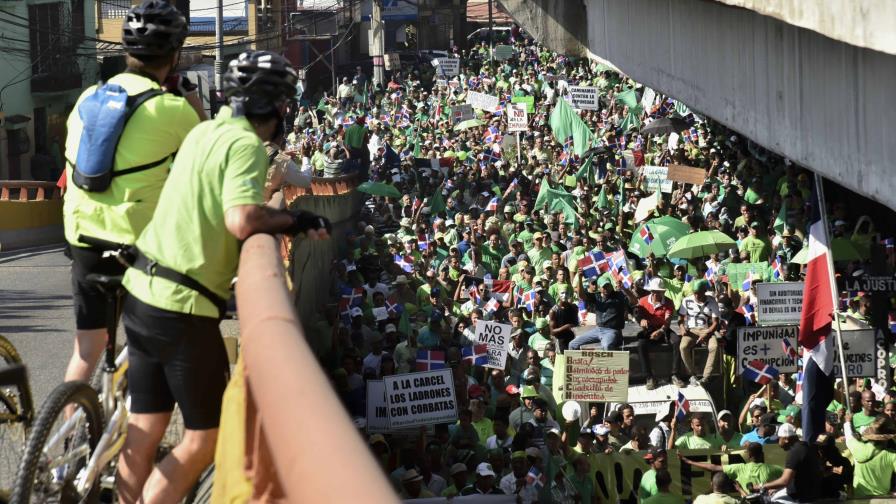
x=317 y=453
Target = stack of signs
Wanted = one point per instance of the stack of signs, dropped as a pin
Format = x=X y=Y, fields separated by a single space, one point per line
x=425 y=398
x=483 y=101
x=780 y=303
x=594 y=376
x=497 y=337
x=583 y=97
x=449 y=67
x=517 y=118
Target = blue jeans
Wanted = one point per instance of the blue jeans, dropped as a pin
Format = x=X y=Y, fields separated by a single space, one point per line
x=609 y=339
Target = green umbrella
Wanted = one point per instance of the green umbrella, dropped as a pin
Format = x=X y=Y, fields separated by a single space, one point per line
x=379 y=189
x=843 y=250
x=701 y=244
x=469 y=123
x=662 y=233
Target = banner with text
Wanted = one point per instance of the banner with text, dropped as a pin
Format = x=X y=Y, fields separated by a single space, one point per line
x=482 y=101
x=766 y=344
x=779 y=302
x=497 y=337
x=461 y=112
x=449 y=67
x=583 y=97
x=424 y=398
x=595 y=376
x=860 y=354
x=656 y=177
x=517 y=118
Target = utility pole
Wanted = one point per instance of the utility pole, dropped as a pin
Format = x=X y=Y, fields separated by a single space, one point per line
x=491 y=26
x=219 y=46
x=378 y=45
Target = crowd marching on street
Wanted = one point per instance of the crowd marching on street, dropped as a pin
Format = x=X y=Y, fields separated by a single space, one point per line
x=522 y=189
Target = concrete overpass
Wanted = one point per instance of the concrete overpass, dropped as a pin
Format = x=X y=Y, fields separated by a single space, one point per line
x=811 y=80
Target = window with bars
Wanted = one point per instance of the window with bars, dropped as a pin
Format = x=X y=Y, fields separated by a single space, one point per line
x=114 y=9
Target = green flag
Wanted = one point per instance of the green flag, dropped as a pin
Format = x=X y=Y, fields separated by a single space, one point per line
x=566 y=123
x=404 y=325
x=781 y=218
x=632 y=119
x=602 y=201
x=437 y=203
x=586 y=170
x=627 y=97
x=556 y=200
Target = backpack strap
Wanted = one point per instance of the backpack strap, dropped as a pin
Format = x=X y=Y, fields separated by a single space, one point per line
x=131 y=106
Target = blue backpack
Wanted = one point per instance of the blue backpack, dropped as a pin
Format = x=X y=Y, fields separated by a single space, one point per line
x=104 y=115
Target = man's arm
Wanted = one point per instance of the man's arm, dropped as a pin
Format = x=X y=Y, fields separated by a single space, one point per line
x=781 y=482
x=670 y=443
x=244 y=221
x=699 y=465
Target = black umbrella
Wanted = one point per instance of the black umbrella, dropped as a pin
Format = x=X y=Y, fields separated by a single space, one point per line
x=665 y=125
x=600 y=150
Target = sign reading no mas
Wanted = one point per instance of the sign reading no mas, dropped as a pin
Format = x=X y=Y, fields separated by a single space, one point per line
x=497 y=337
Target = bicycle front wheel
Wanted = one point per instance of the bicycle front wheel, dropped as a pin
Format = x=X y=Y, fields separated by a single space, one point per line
x=59 y=447
x=14 y=421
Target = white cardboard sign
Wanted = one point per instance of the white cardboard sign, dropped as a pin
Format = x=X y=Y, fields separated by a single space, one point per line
x=517 y=117
x=779 y=302
x=483 y=101
x=448 y=67
x=655 y=177
x=765 y=344
x=497 y=337
x=584 y=97
x=425 y=398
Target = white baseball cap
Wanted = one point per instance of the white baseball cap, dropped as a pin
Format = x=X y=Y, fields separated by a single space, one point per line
x=485 y=469
x=786 y=430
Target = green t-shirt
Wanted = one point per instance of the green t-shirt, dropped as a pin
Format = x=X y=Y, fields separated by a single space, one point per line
x=752 y=473
x=156 y=130
x=691 y=442
x=221 y=165
x=664 y=498
x=648 y=488
x=758 y=249
x=354 y=136
x=873 y=468
x=860 y=420
x=734 y=442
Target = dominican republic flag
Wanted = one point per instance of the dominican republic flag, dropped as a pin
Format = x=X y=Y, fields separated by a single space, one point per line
x=476 y=354
x=710 y=275
x=748 y=313
x=473 y=291
x=815 y=323
x=777 y=268
x=493 y=205
x=529 y=300
x=759 y=372
x=406 y=263
x=568 y=144
x=430 y=360
x=492 y=306
x=798 y=389
x=602 y=261
x=588 y=267
x=625 y=277
x=748 y=282
x=353 y=297
x=682 y=407
x=646 y=235
x=612 y=144
x=492 y=135
x=891 y=322
x=564 y=158
x=393 y=307
x=583 y=312
x=788 y=349
x=618 y=263
x=345 y=312
x=536 y=478
x=422 y=242
x=490 y=156
x=499 y=289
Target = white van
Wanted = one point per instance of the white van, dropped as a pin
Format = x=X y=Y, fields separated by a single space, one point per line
x=647 y=403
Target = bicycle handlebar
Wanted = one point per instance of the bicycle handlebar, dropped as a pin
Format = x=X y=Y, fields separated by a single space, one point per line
x=100 y=243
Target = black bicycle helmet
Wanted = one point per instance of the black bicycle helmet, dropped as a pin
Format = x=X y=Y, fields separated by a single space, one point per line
x=153 y=28
x=258 y=81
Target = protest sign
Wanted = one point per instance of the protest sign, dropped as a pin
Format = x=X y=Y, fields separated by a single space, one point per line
x=377 y=419
x=765 y=344
x=447 y=66
x=583 y=97
x=392 y=61
x=686 y=174
x=424 y=398
x=503 y=52
x=461 y=112
x=859 y=351
x=779 y=302
x=497 y=337
x=508 y=142
x=380 y=313
x=528 y=100
x=482 y=101
x=872 y=283
x=647 y=98
x=656 y=177
x=596 y=376
x=517 y=118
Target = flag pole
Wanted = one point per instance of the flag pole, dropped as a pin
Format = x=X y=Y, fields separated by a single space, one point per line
x=822 y=208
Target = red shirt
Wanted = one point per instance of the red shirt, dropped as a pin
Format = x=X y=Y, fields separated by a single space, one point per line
x=656 y=314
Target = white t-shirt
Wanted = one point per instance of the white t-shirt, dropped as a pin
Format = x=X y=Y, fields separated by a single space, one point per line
x=372 y=362
x=528 y=494
x=699 y=314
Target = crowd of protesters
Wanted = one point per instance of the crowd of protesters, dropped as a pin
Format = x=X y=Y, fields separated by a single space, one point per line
x=482 y=227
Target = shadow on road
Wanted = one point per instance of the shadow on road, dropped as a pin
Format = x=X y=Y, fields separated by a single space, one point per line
x=21 y=304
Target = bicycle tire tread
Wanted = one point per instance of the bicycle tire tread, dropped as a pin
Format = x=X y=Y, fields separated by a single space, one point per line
x=67 y=393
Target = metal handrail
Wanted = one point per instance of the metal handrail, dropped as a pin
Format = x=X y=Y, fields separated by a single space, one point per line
x=310 y=438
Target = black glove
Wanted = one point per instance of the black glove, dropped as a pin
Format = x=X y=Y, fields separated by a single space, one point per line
x=304 y=221
x=180 y=85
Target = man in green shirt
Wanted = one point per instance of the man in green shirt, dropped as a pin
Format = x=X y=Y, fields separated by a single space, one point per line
x=756 y=244
x=731 y=438
x=658 y=461
x=663 y=496
x=869 y=411
x=754 y=473
x=697 y=439
x=212 y=201
x=149 y=140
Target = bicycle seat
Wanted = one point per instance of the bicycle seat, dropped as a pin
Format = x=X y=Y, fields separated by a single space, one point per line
x=106 y=282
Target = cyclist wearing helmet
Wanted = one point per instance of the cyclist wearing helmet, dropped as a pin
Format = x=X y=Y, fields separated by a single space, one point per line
x=152 y=35
x=213 y=200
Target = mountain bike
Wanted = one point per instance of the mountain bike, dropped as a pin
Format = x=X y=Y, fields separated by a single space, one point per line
x=73 y=447
x=16 y=414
